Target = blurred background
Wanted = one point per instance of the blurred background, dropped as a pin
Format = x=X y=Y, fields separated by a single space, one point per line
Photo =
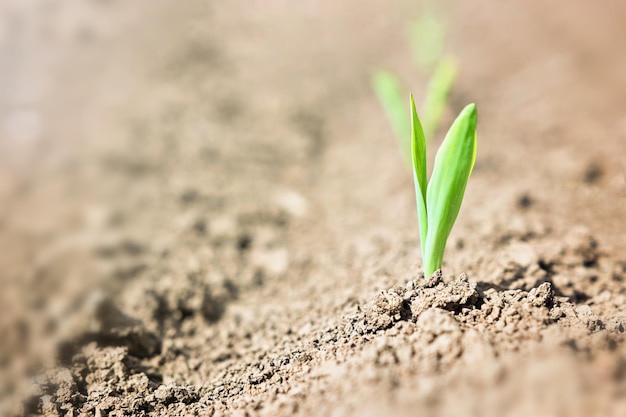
x=176 y=166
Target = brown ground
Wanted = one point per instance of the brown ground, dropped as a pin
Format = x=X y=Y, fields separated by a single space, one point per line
x=203 y=211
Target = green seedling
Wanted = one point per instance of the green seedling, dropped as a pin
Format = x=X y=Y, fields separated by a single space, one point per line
x=439 y=201
x=389 y=92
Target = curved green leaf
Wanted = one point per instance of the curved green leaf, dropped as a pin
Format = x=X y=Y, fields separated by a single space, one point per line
x=453 y=165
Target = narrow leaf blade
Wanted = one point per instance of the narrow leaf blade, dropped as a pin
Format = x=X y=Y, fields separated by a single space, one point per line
x=453 y=165
x=418 y=157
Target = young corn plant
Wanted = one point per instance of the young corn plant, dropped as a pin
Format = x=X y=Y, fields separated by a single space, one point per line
x=426 y=35
x=439 y=200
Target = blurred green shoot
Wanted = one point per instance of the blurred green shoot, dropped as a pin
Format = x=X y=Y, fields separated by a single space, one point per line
x=389 y=92
x=439 y=201
x=437 y=94
x=426 y=35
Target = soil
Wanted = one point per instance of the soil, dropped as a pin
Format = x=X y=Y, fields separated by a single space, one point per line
x=204 y=213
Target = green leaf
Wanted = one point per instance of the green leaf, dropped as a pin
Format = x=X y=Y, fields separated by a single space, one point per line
x=387 y=89
x=437 y=93
x=453 y=165
x=418 y=156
